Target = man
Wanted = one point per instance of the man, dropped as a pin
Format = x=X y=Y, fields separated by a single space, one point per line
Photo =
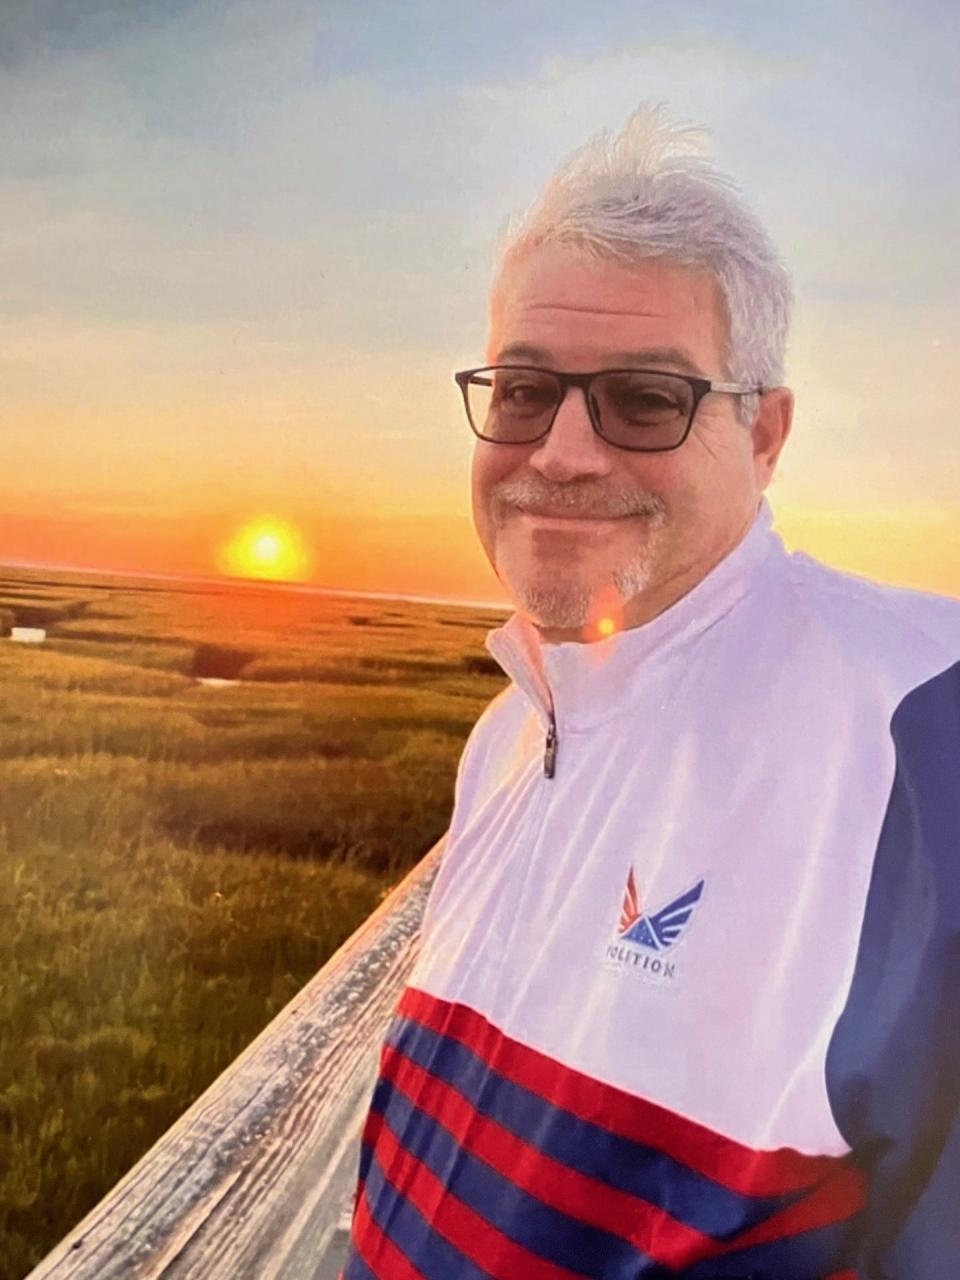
x=687 y=1000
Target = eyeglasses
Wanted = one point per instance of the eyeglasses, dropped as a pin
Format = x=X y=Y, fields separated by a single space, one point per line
x=644 y=410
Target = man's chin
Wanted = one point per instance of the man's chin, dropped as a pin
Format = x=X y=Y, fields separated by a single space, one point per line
x=566 y=604
x=554 y=609
x=565 y=599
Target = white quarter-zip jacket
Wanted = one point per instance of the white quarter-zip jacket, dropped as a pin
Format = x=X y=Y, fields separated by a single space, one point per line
x=688 y=995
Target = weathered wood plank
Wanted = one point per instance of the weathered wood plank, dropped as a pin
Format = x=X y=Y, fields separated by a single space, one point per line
x=253 y=1180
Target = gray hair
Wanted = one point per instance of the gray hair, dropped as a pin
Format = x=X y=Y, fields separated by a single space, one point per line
x=651 y=193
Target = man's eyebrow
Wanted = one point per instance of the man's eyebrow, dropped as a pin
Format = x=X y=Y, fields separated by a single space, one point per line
x=643 y=358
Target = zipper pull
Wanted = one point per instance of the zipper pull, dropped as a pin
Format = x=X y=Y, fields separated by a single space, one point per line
x=550 y=748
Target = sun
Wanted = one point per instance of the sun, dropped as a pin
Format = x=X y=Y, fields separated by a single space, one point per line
x=266 y=548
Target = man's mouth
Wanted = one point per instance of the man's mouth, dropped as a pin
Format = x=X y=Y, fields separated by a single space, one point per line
x=566 y=513
x=570 y=522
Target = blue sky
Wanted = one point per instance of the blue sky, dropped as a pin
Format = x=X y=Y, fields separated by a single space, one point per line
x=251 y=241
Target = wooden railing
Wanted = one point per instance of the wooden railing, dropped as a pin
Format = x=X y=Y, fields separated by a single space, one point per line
x=255 y=1181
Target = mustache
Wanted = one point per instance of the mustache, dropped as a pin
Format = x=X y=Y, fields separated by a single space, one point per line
x=580 y=498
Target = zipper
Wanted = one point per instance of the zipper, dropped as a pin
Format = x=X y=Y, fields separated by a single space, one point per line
x=528 y=675
x=550 y=748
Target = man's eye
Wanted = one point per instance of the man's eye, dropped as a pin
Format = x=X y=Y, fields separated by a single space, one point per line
x=647 y=404
x=524 y=395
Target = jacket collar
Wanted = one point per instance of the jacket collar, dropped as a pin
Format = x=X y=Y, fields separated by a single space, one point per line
x=585 y=684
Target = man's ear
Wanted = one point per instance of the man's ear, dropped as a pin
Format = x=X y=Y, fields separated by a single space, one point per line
x=770 y=429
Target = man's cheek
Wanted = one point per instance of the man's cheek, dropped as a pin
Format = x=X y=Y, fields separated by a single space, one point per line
x=485 y=515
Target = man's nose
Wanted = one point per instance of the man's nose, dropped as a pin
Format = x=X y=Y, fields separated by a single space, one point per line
x=572 y=448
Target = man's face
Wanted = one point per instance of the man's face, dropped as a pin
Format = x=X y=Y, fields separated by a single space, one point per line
x=575 y=527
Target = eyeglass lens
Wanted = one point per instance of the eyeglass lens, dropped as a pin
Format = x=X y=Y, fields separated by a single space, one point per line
x=638 y=410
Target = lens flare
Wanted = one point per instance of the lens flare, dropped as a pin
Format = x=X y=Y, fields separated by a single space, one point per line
x=606 y=615
x=267 y=548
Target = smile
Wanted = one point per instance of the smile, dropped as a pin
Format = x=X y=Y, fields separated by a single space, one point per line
x=551 y=520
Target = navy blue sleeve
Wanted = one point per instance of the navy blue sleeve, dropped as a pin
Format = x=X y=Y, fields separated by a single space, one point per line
x=893 y=1067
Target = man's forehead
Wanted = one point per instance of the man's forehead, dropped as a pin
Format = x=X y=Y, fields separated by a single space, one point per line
x=653 y=310
x=676 y=357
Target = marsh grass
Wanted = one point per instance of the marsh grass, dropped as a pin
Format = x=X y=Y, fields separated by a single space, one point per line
x=177 y=860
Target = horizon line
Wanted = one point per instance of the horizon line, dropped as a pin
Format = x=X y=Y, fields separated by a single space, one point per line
x=271 y=583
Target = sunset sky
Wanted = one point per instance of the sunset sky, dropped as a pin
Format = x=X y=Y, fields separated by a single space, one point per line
x=246 y=244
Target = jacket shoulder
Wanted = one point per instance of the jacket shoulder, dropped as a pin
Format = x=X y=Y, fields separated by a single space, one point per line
x=877 y=620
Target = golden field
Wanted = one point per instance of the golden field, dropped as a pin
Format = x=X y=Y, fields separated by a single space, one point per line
x=177 y=859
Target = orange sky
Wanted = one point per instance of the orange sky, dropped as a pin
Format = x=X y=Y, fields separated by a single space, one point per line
x=426 y=555
x=440 y=556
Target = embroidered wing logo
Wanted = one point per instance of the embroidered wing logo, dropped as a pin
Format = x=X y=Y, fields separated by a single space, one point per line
x=661 y=930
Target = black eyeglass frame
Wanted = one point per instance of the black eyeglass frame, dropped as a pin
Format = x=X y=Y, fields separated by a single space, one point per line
x=700 y=387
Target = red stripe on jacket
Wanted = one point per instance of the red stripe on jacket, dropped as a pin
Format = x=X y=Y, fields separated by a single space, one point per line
x=732 y=1164
x=594 y=1203
x=586 y=1200
x=464 y=1228
x=377 y=1249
